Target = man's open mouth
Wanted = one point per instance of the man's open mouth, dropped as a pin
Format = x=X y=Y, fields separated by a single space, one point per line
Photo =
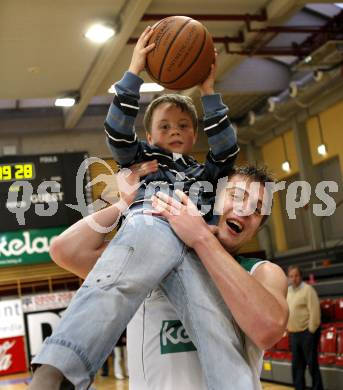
x=234 y=225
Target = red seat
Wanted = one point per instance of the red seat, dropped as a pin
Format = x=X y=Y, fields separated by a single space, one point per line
x=328 y=346
x=327 y=307
x=328 y=341
x=326 y=325
x=339 y=309
x=268 y=354
x=326 y=360
x=339 y=361
x=338 y=325
x=288 y=356
x=279 y=355
x=339 y=357
x=340 y=342
x=283 y=343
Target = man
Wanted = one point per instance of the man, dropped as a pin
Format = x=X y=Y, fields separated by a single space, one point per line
x=304 y=329
x=256 y=299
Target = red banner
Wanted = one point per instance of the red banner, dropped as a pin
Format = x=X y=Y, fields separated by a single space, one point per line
x=12 y=355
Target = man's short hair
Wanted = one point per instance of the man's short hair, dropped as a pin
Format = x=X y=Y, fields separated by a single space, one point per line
x=254 y=173
x=185 y=104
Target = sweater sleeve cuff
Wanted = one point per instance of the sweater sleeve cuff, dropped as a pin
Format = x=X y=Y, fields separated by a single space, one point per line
x=211 y=103
x=131 y=81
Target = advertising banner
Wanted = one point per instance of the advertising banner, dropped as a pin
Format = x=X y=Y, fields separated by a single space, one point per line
x=12 y=355
x=58 y=300
x=26 y=246
x=42 y=314
x=11 y=319
x=12 y=348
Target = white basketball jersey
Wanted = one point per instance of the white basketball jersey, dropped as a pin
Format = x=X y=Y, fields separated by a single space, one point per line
x=161 y=356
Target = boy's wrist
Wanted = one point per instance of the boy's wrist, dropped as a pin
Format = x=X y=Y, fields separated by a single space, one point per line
x=211 y=103
x=135 y=70
x=207 y=91
x=131 y=81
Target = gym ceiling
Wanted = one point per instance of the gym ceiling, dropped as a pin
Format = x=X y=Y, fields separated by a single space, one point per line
x=275 y=56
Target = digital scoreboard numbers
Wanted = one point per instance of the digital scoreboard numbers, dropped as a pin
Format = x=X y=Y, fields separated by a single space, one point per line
x=19 y=171
x=59 y=171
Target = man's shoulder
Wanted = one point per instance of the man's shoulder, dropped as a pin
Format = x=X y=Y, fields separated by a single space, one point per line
x=303 y=288
x=250 y=263
x=308 y=288
x=268 y=273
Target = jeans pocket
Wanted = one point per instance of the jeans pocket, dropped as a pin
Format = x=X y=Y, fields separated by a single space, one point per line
x=109 y=267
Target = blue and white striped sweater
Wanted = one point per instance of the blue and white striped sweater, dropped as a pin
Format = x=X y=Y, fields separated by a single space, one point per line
x=127 y=149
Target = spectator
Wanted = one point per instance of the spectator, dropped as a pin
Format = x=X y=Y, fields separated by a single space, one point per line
x=120 y=370
x=304 y=329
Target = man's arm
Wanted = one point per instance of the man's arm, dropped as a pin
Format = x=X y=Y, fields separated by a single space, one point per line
x=313 y=305
x=78 y=248
x=258 y=303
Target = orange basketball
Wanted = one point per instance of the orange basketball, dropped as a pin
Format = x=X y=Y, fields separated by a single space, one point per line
x=183 y=53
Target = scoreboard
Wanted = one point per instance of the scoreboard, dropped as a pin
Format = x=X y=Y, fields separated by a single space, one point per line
x=16 y=171
x=49 y=178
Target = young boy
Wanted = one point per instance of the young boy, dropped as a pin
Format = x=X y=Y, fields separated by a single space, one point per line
x=171 y=126
x=145 y=249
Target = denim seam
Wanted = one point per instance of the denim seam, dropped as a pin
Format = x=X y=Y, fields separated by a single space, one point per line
x=109 y=285
x=198 y=346
x=143 y=341
x=130 y=253
x=182 y=254
x=79 y=352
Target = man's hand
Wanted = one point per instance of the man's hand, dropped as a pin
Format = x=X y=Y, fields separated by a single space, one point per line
x=128 y=179
x=183 y=217
x=140 y=52
x=207 y=87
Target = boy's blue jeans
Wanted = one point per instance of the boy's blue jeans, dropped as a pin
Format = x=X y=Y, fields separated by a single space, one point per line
x=140 y=257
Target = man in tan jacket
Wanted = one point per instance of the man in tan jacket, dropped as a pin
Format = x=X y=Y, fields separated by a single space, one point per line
x=304 y=329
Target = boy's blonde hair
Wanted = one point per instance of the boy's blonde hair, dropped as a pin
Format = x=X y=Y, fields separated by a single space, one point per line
x=183 y=102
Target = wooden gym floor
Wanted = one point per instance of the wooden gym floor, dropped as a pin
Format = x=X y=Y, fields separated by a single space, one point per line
x=20 y=382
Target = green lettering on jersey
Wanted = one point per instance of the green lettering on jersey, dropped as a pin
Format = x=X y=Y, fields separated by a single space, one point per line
x=174 y=338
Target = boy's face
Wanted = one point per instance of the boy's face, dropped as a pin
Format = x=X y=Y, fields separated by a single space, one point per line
x=234 y=229
x=172 y=129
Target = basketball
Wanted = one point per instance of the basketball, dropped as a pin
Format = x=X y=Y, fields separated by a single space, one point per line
x=183 y=53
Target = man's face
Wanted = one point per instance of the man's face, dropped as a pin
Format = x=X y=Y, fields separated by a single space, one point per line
x=294 y=277
x=235 y=229
x=172 y=129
